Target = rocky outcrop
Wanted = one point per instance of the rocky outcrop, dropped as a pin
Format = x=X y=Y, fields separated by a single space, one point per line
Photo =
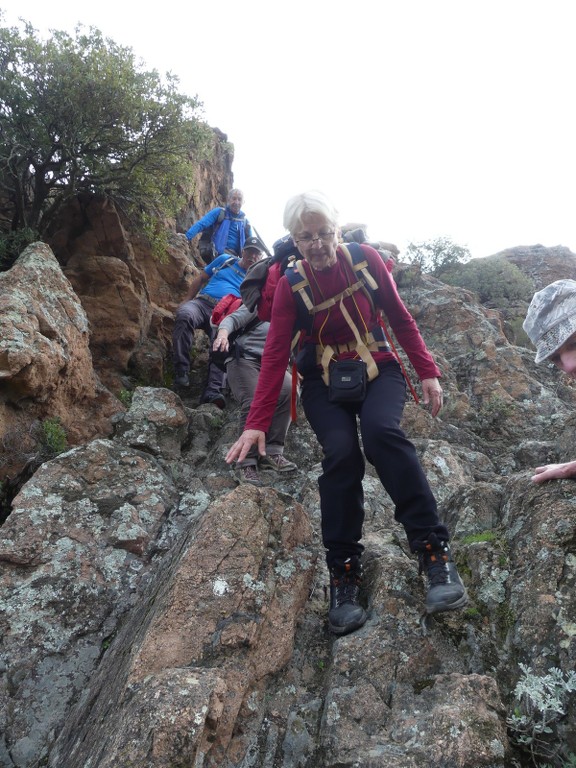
x=72 y=343
x=128 y=294
x=155 y=613
x=46 y=369
x=128 y=290
x=541 y=264
x=204 y=650
x=213 y=181
x=71 y=562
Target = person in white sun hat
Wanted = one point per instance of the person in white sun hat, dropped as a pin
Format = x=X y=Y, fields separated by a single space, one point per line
x=551 y=326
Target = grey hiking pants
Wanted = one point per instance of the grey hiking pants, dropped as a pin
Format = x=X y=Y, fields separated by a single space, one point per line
x=242 y=379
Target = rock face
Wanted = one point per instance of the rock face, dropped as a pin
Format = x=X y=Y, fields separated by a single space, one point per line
x=111 y=312
x=543 y=265
x=128 y=294
x=155 y=613
x=46 y=368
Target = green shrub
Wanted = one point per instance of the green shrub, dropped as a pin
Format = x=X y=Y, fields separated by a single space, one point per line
x=541 y=702
x=53 y=437
x=495 y=280
x=81 y=116
x=125 y=396
x=493 y=414
x=484 y=536
x=517 y=335
x=12 y=244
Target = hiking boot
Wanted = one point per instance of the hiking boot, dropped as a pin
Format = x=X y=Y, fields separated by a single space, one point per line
x=345 y=614
x=446 y=592
x=278 y=462
x=217 y=400
x=248 y=473
x=182 y=379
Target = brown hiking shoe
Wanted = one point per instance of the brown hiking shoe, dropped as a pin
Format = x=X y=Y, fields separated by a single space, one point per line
x=248 y=473
x=278 y=462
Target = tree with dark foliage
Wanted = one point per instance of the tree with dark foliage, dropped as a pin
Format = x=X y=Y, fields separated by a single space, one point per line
x=436 y=256
x=78 y=115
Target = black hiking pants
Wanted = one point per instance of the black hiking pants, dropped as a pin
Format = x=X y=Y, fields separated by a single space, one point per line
x=385 y=447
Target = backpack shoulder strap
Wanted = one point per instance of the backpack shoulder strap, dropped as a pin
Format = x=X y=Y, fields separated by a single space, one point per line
x=300 y=284
x=354 y=256
x=301 y=287
x=218 y=220
x=353 y=252
x=228 y=263
x=210 y=233
x=296 y=276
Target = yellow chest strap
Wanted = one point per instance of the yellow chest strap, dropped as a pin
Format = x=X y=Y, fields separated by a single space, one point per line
x=363 y=344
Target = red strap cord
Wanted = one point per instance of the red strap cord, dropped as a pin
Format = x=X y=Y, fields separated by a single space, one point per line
x=294 y=394
x=397 y=356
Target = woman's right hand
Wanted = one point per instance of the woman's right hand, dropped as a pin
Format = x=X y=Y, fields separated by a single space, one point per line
x=247 y=439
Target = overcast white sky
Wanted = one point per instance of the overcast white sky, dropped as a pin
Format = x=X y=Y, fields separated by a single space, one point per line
x=419 y=118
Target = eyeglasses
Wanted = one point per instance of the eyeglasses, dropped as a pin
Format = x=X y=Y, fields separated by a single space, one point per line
x=306 y=241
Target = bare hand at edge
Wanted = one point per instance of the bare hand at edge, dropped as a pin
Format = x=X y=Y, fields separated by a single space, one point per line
x=554 y=472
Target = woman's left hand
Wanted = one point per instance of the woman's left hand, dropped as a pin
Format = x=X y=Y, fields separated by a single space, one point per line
x=221 y=341
x=432 y=394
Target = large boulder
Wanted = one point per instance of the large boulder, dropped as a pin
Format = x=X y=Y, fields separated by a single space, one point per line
x=46 y=368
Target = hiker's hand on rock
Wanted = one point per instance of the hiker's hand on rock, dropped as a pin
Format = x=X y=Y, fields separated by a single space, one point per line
x=554 y=472
x=247 y=439
x=432 y=394
x=221 y=341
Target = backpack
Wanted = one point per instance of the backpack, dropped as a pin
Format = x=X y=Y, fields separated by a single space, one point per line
x=258 y=287
x=363 y=281
x=206 y=241
x=225 y=307
x=358 y=235
x=257 y=290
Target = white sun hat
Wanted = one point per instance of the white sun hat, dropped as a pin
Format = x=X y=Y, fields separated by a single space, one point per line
x=551 y=318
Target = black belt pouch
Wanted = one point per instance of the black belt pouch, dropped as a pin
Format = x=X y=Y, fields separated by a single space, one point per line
x=347 y=381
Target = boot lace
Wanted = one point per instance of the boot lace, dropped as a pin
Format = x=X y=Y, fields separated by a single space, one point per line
x=346 y=589
x=435 y=564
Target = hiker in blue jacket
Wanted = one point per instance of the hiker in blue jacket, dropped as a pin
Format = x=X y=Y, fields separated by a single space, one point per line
x=230 y=226
x=215 y=281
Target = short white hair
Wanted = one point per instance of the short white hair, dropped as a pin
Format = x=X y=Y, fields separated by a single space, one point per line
x=308 y=202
